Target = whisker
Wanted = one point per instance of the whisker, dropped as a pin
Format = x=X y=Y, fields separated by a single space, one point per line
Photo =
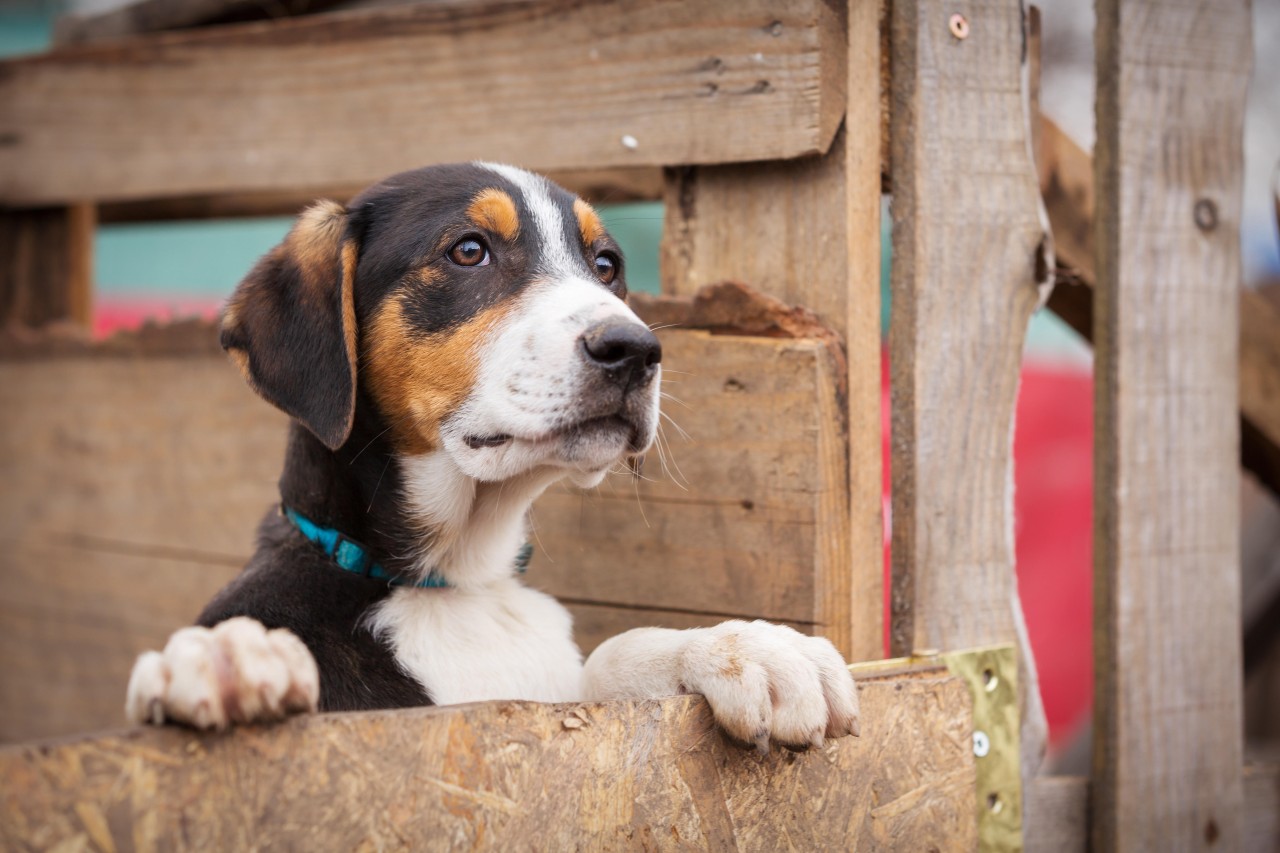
x=367 y=446
x=656 y=328
x=378 y=484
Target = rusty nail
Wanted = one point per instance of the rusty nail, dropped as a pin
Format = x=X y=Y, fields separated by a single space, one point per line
x=959 y=26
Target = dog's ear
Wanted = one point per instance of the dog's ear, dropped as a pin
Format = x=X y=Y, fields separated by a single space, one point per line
x=290 y=325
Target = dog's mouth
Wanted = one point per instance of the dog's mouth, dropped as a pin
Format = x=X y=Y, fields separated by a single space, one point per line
x=589 y=428
x=475 y=442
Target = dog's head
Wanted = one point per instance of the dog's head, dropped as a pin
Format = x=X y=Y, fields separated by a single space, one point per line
x=476 y=309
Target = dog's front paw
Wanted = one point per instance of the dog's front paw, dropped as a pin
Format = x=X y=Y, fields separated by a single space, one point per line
x=769 y=682
x=235 y=672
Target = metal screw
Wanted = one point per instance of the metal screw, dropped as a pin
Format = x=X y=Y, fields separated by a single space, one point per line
x=981 y=744
x=959 y=26
x=1206 y=214
x=775 y=29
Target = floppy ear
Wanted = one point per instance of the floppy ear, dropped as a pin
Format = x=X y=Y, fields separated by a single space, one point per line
x=290 y=325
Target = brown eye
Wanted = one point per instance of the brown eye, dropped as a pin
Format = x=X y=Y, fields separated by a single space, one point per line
x=469 y=252
x=607 y=267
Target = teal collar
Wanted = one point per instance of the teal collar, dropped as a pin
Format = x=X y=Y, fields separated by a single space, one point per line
x=351 y=556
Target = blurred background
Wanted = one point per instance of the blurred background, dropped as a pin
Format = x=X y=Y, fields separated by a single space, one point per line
x=173 y=269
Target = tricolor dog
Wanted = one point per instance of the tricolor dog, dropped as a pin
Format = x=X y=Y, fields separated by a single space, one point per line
x=448 y=345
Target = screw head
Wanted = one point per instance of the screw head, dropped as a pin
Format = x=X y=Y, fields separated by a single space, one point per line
x=959 y=26
x=981 y=744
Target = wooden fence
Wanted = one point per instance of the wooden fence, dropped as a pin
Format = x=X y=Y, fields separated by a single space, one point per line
x=136 y=469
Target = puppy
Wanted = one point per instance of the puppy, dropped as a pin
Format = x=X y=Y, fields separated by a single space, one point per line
x=448 y=345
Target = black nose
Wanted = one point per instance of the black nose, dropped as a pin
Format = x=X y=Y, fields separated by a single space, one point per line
x=628 y=353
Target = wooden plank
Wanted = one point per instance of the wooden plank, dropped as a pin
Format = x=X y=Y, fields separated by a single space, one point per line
x=808 y=233
x=971 y=257
x=169 y=451
x=740 y=519
x=1167 y=697
x=76 y=614
x=1261 y=832
x=128 y=459
x=349 y=97
x=1066 y=181
x=149 y=16
x=503 y=775
x=46 y=265
x=598 y=186
x=1057 y=814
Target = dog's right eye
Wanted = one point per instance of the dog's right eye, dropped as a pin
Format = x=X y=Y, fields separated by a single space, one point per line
x=469 y=252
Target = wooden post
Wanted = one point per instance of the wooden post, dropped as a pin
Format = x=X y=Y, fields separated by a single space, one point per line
x=808 y=232
x=46 y=265
x=971 y=261
x=1167 y=703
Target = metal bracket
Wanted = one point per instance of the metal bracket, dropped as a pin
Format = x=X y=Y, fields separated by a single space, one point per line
x=992 y=675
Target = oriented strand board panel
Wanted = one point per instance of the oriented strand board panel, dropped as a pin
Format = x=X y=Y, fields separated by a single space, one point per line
x=971 y=259
x=737 y=518
x=350 y=97
x=1168 y=165
x=651 y=775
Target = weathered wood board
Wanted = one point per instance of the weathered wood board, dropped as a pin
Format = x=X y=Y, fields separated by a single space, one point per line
x=1066 y=180
x=135 y=485
x=1168 y=172
x=651 y=775
x=808 y=233
x=46 y=265
x=743 y=517
x=1058 y=812
x=346 y=98
x=971 y=256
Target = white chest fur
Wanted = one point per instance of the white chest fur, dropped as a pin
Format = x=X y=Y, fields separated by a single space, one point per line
x=501 y=641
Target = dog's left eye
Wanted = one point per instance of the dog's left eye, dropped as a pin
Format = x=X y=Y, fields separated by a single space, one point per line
x=607 y=266
x=469 y=252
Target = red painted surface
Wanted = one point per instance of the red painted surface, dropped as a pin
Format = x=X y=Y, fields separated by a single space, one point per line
x=1054 y=478
x=115 y=314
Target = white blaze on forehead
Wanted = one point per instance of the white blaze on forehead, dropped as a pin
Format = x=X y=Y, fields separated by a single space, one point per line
x=549 y=220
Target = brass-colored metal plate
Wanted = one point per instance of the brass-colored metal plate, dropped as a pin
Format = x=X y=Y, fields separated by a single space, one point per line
x=992 y=676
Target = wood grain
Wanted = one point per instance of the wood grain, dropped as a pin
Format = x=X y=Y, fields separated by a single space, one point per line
x=347 y=98
x=135 y=484
x=971 y=255
x=598 y=186
x=650 y=775
x=1066 y=180
x=149 y=16
x=808 y=232
x=741 y=519
x=46 y=266
x=1167 y=698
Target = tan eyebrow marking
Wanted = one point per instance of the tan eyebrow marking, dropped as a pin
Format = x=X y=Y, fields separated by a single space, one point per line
x=494 y=210
x=588 y=222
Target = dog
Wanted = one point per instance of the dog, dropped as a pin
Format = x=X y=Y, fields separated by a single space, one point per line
x=448 y=345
